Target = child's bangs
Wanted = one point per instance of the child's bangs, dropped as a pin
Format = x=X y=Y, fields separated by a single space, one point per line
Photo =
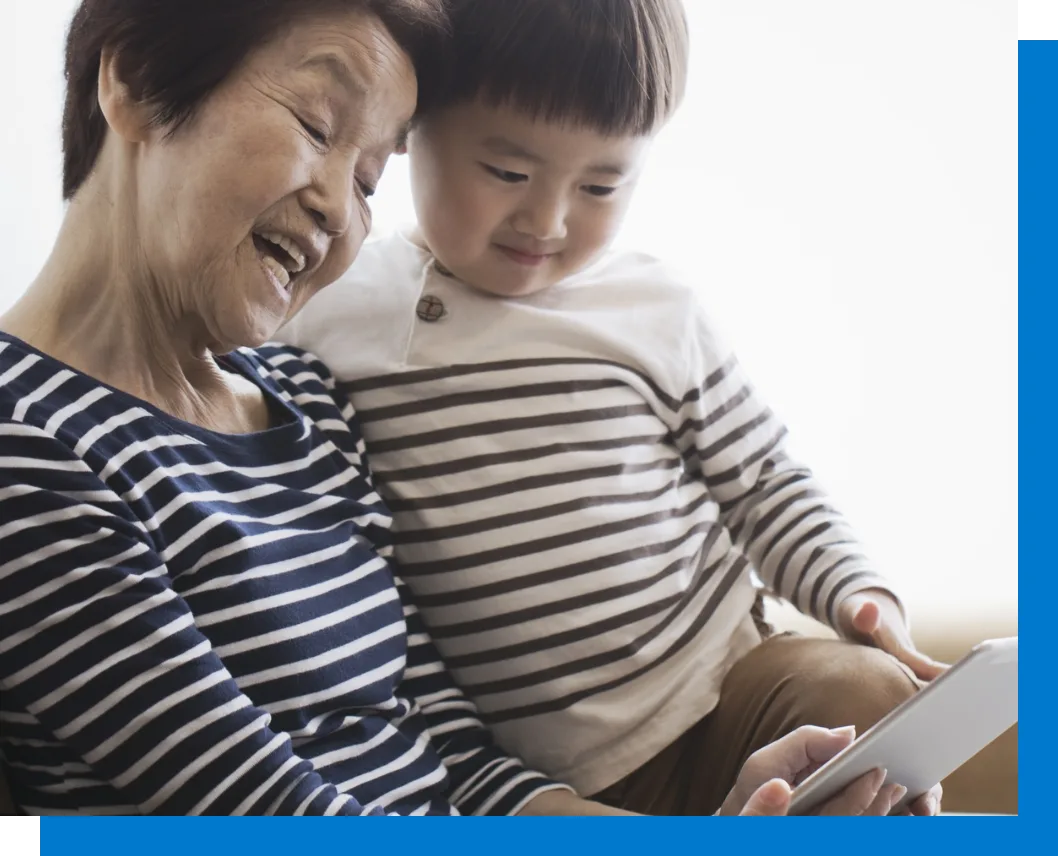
x=617 y=68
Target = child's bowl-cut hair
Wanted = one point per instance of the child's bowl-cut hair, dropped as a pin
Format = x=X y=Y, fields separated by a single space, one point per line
x=617 y=66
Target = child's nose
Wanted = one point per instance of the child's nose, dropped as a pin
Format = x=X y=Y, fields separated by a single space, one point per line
x=543 y=219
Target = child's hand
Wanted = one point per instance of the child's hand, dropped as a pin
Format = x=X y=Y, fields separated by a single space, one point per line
x=873 y=617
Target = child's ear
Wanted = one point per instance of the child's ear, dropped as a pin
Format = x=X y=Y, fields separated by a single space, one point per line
x=127 y=115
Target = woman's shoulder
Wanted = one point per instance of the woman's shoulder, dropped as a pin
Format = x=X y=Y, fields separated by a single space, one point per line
x=35 y=389
x=61 y=412
x=50 y=415
x=288 y=365
x=302 y=378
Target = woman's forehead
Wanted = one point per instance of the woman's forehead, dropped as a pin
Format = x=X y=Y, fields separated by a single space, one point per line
x=354 y=59
x=353 y=49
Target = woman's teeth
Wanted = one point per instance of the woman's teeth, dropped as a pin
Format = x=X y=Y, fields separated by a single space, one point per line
x=278 y=271
x=282 y=256
x=292 y=248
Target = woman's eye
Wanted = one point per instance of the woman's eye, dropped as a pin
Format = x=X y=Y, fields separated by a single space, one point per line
x=314 y=132
x=505 y=174
x=366 y=189
x=600 y=190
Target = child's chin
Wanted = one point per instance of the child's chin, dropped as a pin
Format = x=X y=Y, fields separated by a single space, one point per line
x=519 y=288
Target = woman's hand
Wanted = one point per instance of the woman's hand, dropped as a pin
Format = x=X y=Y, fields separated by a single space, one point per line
x=765 y=782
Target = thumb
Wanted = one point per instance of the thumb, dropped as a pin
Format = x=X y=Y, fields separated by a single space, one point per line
x=769 y=800
x=848 y=614
x=867 y=617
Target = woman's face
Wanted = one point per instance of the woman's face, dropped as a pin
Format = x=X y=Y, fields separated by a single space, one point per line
x=262 y=198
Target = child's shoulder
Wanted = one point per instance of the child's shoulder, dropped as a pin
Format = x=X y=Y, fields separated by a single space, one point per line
x=635 y=266
x=385 y=257
x=633 y=280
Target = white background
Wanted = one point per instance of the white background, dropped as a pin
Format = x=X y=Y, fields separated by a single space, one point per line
x=841 y=185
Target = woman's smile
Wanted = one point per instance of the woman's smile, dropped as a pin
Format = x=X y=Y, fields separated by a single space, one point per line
x=283 y=260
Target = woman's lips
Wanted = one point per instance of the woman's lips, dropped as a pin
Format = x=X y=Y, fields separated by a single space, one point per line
x=527 y=259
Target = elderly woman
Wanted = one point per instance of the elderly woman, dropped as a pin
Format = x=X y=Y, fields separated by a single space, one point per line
x=197 y=612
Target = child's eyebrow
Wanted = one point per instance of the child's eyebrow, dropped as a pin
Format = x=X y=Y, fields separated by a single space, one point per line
x=608 y=169
x=508 y=148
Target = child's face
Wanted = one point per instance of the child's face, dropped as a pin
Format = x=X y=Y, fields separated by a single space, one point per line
x=511 y=204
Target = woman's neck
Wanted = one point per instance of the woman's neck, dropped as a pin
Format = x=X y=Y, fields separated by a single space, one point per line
x=95 y=307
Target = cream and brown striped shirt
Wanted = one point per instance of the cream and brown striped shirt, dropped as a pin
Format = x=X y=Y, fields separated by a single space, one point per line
x=583 y=483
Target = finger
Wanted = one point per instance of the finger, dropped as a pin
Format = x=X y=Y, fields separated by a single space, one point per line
x=769 y=800
x=821 y=747
x=856 y=798
x=897 y=793
x=847 y=611
x=867 y=619
x=845 y=732
x=805 y=773
x=801 y=748
x=925 y=668
x=899 y=644
x=849 y=617
x=928 y=804
x=884 y=800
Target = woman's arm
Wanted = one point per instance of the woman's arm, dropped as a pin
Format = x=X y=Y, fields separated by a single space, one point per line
x=483 y=778
x=98 y=648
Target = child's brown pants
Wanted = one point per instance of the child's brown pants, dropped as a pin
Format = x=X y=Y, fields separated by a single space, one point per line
x=786 y=682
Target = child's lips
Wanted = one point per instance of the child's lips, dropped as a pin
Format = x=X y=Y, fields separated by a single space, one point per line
x=523 y=258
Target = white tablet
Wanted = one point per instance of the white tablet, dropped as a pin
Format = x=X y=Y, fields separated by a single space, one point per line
x=931 y=734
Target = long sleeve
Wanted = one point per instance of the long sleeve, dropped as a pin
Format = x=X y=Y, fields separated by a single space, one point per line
x=99 y=649
x=800 y=545
x=483 y=778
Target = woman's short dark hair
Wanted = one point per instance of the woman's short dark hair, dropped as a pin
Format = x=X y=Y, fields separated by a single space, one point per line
x=618 y=66
x=174 y=53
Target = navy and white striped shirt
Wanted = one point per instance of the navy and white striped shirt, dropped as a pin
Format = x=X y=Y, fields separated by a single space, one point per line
x=193 y=622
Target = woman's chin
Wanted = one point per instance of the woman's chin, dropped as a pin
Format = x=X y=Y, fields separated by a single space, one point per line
x=251 y=332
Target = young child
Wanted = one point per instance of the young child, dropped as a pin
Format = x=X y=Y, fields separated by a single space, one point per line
x=584 y=482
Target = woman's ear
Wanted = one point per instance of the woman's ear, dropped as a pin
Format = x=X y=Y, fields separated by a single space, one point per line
x=126 y=115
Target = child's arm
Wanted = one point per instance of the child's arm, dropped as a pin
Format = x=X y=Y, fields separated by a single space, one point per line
x=799 y=544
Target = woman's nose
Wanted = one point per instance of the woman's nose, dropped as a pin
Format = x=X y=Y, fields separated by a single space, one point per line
x=332 y=199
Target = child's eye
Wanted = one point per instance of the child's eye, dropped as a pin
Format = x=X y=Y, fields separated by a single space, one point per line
x=600 y=190
x=505 y=174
